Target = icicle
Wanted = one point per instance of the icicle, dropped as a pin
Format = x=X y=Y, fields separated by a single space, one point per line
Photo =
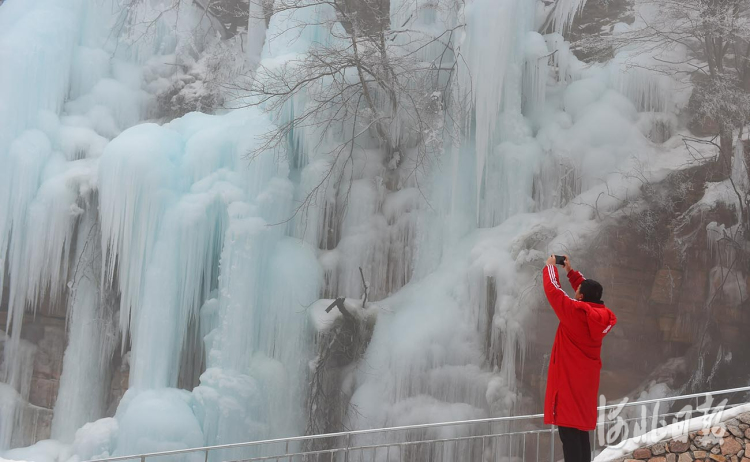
x=83 y=392
x=50 y=222
x=562 y=14
x=490 y=23
x=136 y=173
x=41 y=234
x=256 y=32
x=50 y=28
x=535 y=72
x=497 y=101
x=562 y=57
x=649 y=90
x=252 y=376
x=179 y=278
x=26 y=159
x=739 y=167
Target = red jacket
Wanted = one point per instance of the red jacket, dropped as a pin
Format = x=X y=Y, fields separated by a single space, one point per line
x=575 y=363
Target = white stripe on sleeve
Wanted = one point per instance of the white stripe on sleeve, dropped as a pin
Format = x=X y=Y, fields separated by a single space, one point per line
x=553 y=279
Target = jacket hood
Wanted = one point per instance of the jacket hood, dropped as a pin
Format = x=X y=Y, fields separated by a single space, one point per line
x=600 y=320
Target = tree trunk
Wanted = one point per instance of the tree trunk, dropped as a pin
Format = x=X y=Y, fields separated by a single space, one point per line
x=724 y=161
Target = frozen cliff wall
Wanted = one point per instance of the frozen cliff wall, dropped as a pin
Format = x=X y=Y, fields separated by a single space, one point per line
x=178 y=255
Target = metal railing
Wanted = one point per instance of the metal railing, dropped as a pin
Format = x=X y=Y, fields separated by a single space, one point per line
x=502 y=439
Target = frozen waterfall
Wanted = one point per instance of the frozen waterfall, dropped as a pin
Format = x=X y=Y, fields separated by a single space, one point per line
x=178 y=246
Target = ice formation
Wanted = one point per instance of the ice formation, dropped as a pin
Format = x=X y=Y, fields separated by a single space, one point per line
x=168 y=241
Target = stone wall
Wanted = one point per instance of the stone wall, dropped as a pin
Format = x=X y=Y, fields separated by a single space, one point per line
x=728 y=442
x=44 y=338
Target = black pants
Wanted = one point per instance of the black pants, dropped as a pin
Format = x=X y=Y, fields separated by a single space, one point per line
x=576 y=446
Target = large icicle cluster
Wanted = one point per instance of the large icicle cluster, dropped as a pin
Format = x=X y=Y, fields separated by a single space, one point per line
x=49 y=147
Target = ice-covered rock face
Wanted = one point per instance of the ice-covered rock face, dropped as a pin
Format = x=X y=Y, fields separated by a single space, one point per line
x=187 y=255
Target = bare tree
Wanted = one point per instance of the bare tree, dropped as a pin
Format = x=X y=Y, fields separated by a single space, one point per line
x=340 y=348
x=371 y=84
x=716 y=34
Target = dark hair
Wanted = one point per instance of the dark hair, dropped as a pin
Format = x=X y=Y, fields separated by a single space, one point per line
x=591 y=291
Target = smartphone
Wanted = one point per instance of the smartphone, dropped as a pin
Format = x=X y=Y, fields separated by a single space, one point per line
x=560 y=260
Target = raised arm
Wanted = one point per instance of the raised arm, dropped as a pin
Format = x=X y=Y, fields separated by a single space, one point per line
x=575 y=277
x=558 y=299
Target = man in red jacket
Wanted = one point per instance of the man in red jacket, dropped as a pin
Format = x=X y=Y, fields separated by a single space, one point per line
x=573 y=377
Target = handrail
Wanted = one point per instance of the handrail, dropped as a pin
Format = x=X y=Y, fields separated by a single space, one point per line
x=321 y=436
x=400 y=428
x=675 y=398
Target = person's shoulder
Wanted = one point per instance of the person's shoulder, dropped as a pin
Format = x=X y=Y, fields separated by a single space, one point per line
x=591 y=308
x=581 y=306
